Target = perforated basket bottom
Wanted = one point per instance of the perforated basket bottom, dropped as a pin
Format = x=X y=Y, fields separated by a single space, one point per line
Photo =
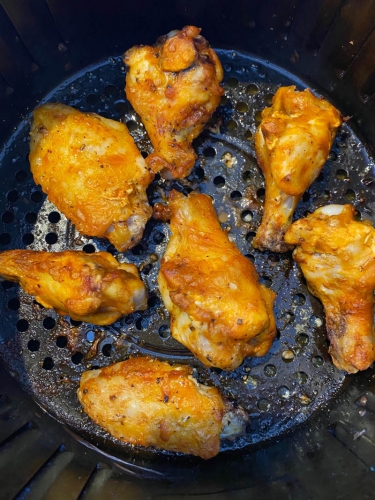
x=48 y=353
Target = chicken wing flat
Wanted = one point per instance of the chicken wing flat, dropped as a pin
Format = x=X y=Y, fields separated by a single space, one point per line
x=292 y=144
x=151 y=403
x=88 y=287
x=337 y=257
x=174 y=87
x=92 y=171
x=218 y=308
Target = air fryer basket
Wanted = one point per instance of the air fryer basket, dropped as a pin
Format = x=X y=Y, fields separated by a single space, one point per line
x=61 y=51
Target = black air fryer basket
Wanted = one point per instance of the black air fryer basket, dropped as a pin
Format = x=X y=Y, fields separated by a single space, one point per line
x=311 y=433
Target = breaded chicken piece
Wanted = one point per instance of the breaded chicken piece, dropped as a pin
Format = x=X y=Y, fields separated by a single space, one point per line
x=88 y=287
x=174 y=87
x=151 y=403
x=337 y=256
x=218 y=308
x=92 y=171
x=292 y=144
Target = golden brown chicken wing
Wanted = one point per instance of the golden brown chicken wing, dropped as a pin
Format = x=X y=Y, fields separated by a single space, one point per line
x=337 y=257
x=92 y=171
x=174 y=87
x=151 y=403
x=218 y=308
x=87 y=287
x=292 y=144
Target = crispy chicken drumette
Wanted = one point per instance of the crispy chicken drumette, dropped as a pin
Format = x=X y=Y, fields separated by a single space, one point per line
x=88 y=287
x=174 y=87
x=292 y=144
x=148 y=402
x=218 y=308
x=337 y=257
x=92 y=171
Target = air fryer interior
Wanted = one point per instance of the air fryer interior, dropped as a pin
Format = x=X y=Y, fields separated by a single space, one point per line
x=296 y=381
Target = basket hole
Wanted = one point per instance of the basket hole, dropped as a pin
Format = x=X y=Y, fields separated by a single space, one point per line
x=250 y=236
x=242 y=107
x=266 y=281
x=261 y=193
x=132 y=125
x=252 y=89
x=51 y=238
x=247 y=216
x=77 y=358
x=158 y=237
x=317 y=361
x=164 y=332
x=302 y=339
x=153 y=301
x=27 y=238
x=54 y=217
x=287 y=356
x=224 y=100
x=283 y=392
x=332 y=156
x=301 y=377
x=137 y=250
x=306 y=196
x=13 y=196
x=89 y=248
x=231 y=125
x=7 y=217
x=22 y=325
x=33 y=345
x=236 y=195
x=5 y=239
x=219 y=181
x=49 y=323
x=250 y=257
x=209 y=152
x=299 y=299
x=21 y=176
x=146 y=269
x=341 y=174
x=248 y=135
x=61 y=341
x=90 y=336
x=315 y=322
x=350 y=195
x=74 y=322
x=111 y=249
x=110 y=91
x=48 y=364
x=91 y=99
x=14 y=304
x=121 y=107
x=270 y=370
x=107 y=350
x=232 y=82
x=264 y=404
x=139 y=324
x=199 y=172
x=36 y=196
x=258 y=116
x=268 y=98
x=31 y=217
x=247 y=176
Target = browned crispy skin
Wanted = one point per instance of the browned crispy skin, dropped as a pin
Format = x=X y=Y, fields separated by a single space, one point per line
x=88 y=287
x=292 y=144
x=174 y=87
x=151 y=403
x=218 y=308
x=337 y=257
x=92 y=171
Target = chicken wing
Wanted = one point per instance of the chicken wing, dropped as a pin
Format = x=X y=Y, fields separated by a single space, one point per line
x=337 y=257
x=148 y=402
x=92 y=171
x=292 y=144
x=174 y=87
x=87 y=287
x=218 y=308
